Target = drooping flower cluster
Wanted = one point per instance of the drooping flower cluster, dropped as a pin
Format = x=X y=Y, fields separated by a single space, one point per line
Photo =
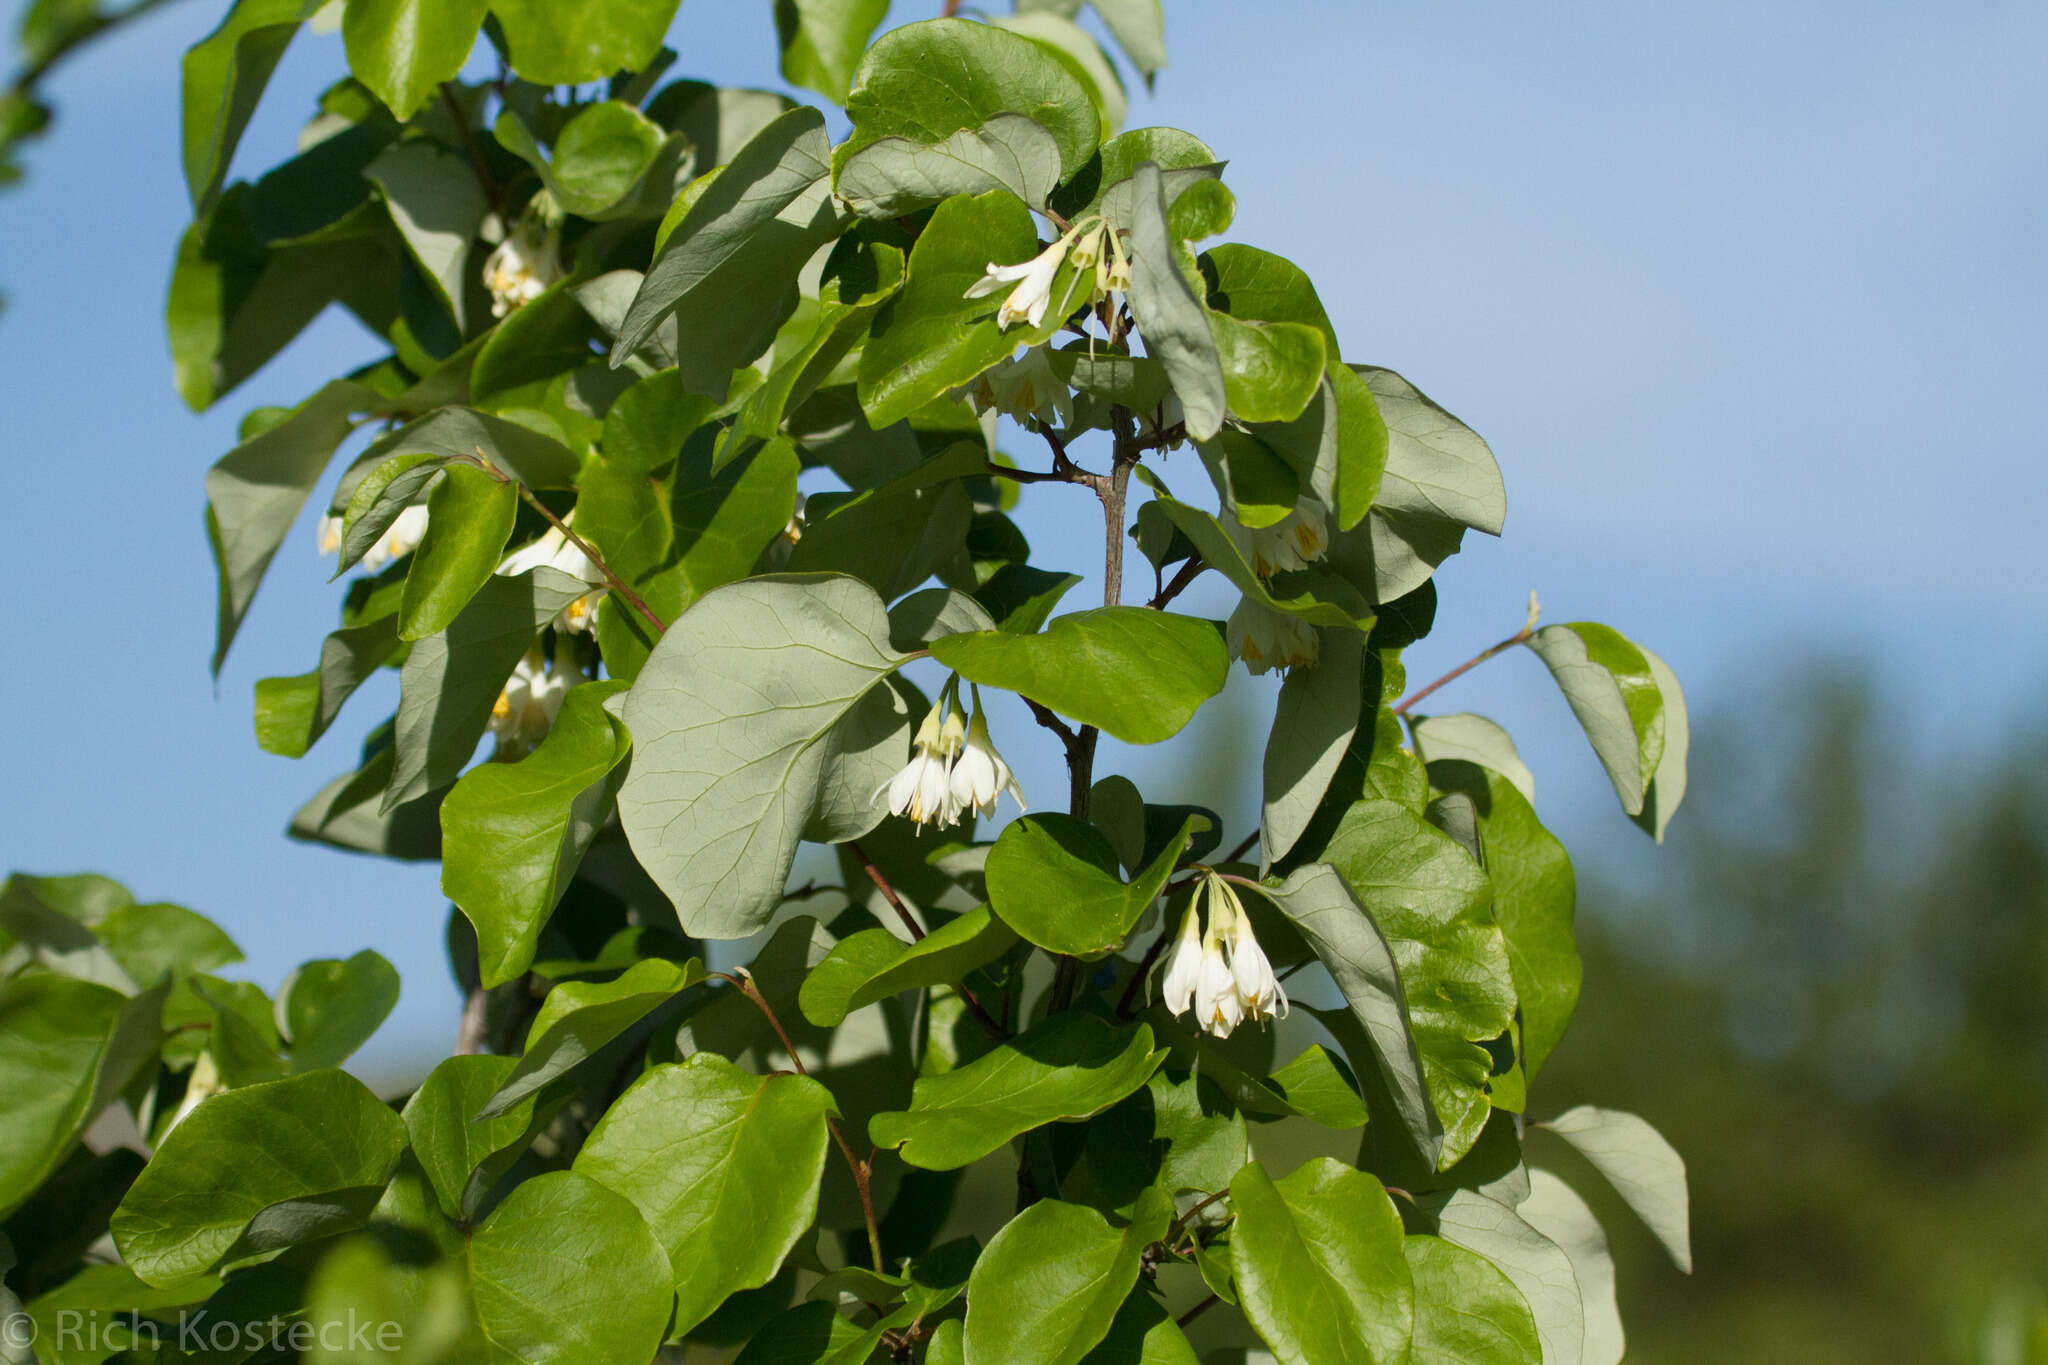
x=1220 y=973
x=523 y=266
x=1266 y=639
x=527 y=707
x=1022 y=387
x=954 y=767
x=554 y=550
x=400 y=539
x=1090 y=244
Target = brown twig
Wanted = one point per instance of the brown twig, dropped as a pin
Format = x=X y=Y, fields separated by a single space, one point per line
x=974 y=1006
x=612 y=580
x=493 y=191
x=1244 y=847
x=1204 y=1306
x=1520 y=637
x=1189 y=569
x=744 y=982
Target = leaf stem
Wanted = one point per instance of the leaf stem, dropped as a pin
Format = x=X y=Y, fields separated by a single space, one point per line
x=974 y=1006
x=1204 y=1306
x=612 y=580
x=1520 y=637
x=1190 y=568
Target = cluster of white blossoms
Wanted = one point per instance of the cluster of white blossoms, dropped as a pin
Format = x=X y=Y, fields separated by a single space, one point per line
x=400 y=538
x=1022 y=387
x=554 y=550
x=1091 y=244
x=1221 y=974
x=1266 y=639
x=954 y=768
x=522 y=267
x=527 y=707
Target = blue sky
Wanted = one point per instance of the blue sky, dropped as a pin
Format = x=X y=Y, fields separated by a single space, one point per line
x=1747 y=298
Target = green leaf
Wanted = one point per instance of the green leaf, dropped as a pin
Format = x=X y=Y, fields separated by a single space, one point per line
x=258 y=1169
x=1071 y=46
x=719 y=840
x=224 y=76
x=899 y=90
x=1324 y=599
x=1440 y=478
x=1071 y=1066
x=438 y=206
x=451 y=680
x=1047 y=1287
x=1667 y=783
x=1643 y=1168
x=1533 y=1263
x=451 y=433
x=257 y=490
x=1312 y=728
x=727 y=273
x=557 y=44
x=329 y=1008
x=601 y=154
x=1318 y=1265
x=1464 y=737
x=464 y=1159
x=150 y=940
x=1434 y=905
x=580 y=1018
x=1270 y=369
x=892 y=537
x=1171 y=316
x=1362 y=445
x=67 y=1049
x=1105 y=186
x=404 y=49
x=1020 y=597
x=1257 y=286
x=822 y=41
x=1348 y=941
x=932 y=338
x=648 y=423
x=1616 y=698
x=396 y=1291
x=1140 y=675
x=469 y=517
x=897 y=175
x=1534 y=894
x=1554 y=1211
x=1139 y=27
x=293 y=712
x=1053 y=878
x=1175 y=1134
x=546 y=339
x=870 y=969
x=1466 y=1311
x=811 y=1334
x=567 y=1271
x=724 y=1166
x=512 y=834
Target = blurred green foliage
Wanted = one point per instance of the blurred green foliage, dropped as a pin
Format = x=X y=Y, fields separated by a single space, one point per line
x=1838 y=1012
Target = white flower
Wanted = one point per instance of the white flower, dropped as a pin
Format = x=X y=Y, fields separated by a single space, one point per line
x=1266 y=639
x=329 y=533
x=1183 y=965
x=1257 y=987
x=400 y=539
x=1034 y=285
x=923 y=788
x=555 y=550
x=522 y=268
x=1024 y=386
x=979 y=773
x=1293 y=542
x=1226 y=979
x=528 y=705
x=793 y=531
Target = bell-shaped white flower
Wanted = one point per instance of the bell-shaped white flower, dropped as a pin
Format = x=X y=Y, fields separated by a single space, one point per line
x=1033 y=279
x=1294 y=542
x=1258 y=990
x=1023 y=386
x=1183 y=966
x=1267 y=640
x=556 y=551
x=979 y=773
x=400 y=539
x=1218 y=1007
x=522 y=267
x=923 y=787
x=527 y=707
x=329 y=534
